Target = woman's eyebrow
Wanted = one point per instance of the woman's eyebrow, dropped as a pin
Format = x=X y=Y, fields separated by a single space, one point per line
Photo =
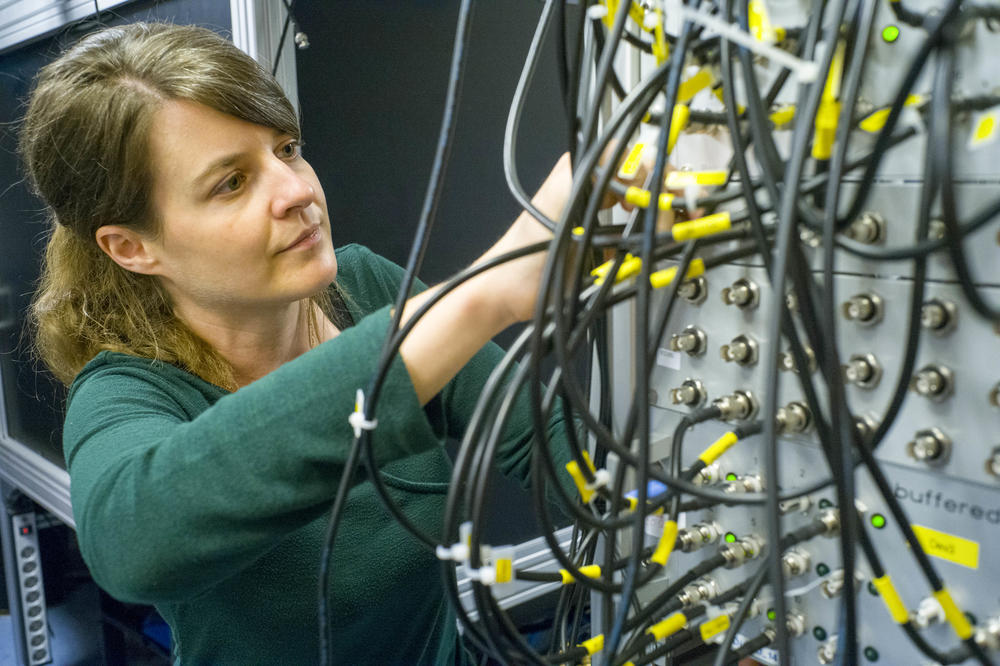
x=216 y=165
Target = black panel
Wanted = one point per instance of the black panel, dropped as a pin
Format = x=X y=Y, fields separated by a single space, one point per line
x=371 y=88
x=32 y=399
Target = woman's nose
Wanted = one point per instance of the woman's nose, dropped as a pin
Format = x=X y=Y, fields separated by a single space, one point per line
x=291 y=191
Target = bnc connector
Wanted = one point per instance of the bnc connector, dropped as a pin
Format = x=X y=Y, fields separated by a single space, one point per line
x=744 y=294
x=738 y=552
x=691 y=392
x=692 y=341
x=703 y=589
x=742 y=350
x=930 y=446
x=698 y=535
x=863 y=370
x=738 y=406
x=748 y=483
x=793 y=418
x=831 y=521
x=863 y=309
x=795 y=623
x=936 y=382
x=694 y=291
x=795 y=562
x=939 y=316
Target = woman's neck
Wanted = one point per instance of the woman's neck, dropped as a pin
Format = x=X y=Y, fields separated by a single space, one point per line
x=259 y=342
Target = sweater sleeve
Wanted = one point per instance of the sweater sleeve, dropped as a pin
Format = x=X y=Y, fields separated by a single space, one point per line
x=166 y=505
x=460 y=395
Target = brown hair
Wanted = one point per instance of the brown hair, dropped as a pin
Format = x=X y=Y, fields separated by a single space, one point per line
x=85 y=142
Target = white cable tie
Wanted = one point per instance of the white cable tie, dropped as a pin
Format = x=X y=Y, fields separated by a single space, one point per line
x=357 y=418
x=457 y=553
x=485 y=575
x=602 y=479
x=806 y=70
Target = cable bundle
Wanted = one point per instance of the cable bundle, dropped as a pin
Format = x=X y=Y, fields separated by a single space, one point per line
x=759 y=209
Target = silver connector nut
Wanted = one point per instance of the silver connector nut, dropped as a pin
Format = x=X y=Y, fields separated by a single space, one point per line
x=738 y=406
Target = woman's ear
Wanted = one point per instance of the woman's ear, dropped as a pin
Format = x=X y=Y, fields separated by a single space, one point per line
x=127 y=248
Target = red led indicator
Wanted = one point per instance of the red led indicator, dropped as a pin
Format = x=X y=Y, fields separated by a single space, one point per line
x=26 y=530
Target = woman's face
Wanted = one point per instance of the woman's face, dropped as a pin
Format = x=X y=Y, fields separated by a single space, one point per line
x=243 y=218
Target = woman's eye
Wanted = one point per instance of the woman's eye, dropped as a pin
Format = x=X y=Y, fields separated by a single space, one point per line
x=291 y=149
x=231 y=184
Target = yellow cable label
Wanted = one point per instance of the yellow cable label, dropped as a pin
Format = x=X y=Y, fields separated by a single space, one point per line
x=948 y=546
x=714 y=627
x=637 y=196
x=630 y=266
x=666 y=544
x=666 y=276
x=668 y=627
x=678 y=179
x=829 y=108
x=635 y=11
x=956 y=618
x=760 y=23
x=661 y=50
x=721 y=445
x=694 y=85
x=702 y=226
x=640 y=197
x=504 y=570
x=589 y=571
x=581 y=482
x=897 y=609
x=593 y=645
x=630 y=167
x=985 y=130
x=875 y=121
x=783 y=115
x=678 y=121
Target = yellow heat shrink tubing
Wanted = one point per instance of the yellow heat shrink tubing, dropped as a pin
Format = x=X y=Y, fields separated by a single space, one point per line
x=593 y=645
x=956 y=618
x=668 y=627
x=666 y=276
x=666 y=544
x=721 y=445
x=897 y=609
x=573 y=467
x=590 y=571
x=702 y=226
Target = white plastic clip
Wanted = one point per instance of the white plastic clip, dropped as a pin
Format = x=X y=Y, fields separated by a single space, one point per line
x=357 y=418
x=458 y=552
x=602 y=479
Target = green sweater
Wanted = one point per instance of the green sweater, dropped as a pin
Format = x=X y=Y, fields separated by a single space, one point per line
x=211 y=505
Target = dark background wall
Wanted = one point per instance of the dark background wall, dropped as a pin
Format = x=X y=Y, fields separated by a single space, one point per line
x=372 y=87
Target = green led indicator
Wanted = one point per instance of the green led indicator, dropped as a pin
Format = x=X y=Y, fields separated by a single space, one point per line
x=871 y=654
x=819 y=633
x=730 y=537
x=730 y=477
x=771 y=614
x=822 y=569
x=825 y=503
x=890 y=33
x=878 y=521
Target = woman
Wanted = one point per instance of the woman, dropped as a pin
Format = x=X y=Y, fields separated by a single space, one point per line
x=188 y=299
